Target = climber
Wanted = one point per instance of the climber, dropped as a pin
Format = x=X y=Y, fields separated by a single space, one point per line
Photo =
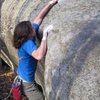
x=29 y=54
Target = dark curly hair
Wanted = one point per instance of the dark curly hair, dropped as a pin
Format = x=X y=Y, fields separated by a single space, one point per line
x=22 y=32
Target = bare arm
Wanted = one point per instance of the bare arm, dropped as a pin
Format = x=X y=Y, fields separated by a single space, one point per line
x=41 y=51
x=43 y=12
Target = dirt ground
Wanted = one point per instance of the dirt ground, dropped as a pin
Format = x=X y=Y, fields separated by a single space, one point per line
x=7 y=77
x=6 y=80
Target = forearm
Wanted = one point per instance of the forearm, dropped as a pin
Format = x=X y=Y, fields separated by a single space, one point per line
x=44 y=11
x=42 y=49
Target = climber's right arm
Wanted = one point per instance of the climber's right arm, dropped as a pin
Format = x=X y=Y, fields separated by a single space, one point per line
x=41 y=51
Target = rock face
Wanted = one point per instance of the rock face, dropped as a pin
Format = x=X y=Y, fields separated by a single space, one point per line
x=72 y=64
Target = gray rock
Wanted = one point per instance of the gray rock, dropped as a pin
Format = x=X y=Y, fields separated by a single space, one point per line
x=0 y=64
x=72 y=64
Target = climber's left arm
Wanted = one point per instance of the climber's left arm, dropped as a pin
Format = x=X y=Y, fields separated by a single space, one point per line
x=44 y=11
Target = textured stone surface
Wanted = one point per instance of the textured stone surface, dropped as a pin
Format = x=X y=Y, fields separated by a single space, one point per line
x=72 y=65
x=0 y=21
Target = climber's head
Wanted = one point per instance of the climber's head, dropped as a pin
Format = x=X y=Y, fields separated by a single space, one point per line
x=22 y=32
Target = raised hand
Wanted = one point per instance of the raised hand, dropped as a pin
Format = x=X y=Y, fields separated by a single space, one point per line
x=46 y=30
x=54 y=1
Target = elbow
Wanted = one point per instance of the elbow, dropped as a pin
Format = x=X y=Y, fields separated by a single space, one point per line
x=39 y=58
